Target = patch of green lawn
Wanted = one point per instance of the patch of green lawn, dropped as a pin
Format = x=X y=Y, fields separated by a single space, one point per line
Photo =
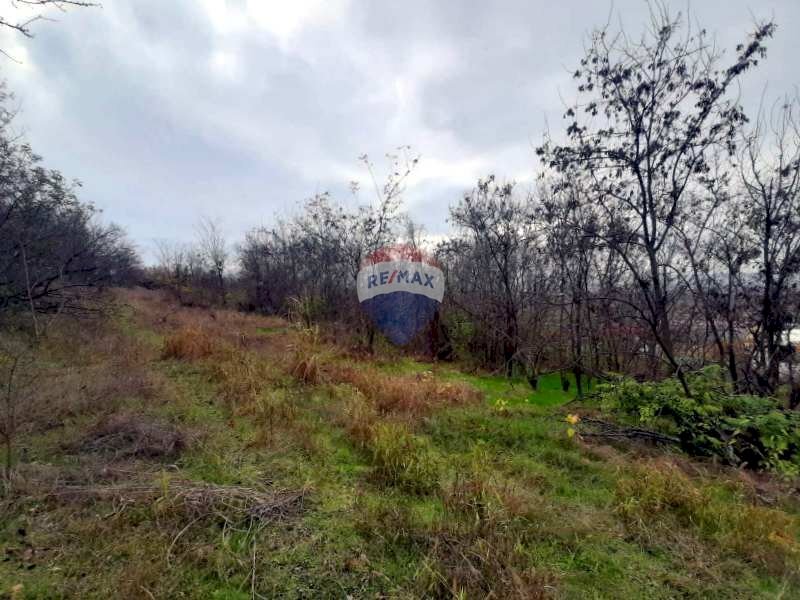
x=513 y=390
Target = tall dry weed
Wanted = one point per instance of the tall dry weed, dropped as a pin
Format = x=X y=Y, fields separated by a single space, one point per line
x=188 y=343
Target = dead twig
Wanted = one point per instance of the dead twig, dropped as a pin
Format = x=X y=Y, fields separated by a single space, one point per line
x=606 y=430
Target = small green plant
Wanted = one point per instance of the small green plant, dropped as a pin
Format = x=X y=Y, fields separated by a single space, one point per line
x=501 y=406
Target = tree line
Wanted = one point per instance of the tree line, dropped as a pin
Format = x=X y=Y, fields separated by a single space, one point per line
x=53 y=246
x=661 y=234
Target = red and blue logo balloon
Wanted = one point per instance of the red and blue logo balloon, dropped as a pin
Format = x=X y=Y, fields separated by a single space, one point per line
x=400 y=288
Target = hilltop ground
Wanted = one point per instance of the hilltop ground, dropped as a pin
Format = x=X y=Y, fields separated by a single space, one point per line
x=186 y=453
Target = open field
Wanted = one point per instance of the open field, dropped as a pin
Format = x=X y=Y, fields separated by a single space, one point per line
x=188 y=453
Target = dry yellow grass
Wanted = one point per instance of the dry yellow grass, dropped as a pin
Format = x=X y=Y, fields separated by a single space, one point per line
x=241 y=376
x=306 y=367
x=157 y=311
x=359 y=417
x=657 y=496
x=413 y=395
x=188 y=343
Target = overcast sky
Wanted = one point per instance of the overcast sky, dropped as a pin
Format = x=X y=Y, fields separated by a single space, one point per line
x=238 y=109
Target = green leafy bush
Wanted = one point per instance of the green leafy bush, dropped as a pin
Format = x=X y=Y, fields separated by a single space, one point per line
x=743 y=430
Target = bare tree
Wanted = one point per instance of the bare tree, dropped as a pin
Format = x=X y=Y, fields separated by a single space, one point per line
x=770 y=177
x=568 y=224
x=31 y=11
x=654 y=110
x=720 y=249
x=490 y=267
x=175 y=265
x=214 y=249
x=52 y=246
x=314 y=258
x=23 y=25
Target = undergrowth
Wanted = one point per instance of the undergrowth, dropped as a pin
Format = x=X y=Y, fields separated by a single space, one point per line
x=655 y=498
x=402 y=479
x=742 y=430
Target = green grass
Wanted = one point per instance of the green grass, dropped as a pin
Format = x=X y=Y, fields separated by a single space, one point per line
x=518 y=390
x=515 y=390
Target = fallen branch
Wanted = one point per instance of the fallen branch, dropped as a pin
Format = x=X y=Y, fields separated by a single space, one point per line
x=606 y=430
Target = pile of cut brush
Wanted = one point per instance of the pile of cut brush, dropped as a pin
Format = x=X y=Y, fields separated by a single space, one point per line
x=198 y=500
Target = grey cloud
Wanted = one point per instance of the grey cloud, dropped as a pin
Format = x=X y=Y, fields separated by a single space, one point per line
x=167 y=111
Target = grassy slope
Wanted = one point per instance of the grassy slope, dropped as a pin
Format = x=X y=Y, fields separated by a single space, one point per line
x=546 y=511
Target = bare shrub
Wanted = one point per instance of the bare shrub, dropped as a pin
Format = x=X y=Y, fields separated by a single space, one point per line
x=18 y=371
x=305 y=367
